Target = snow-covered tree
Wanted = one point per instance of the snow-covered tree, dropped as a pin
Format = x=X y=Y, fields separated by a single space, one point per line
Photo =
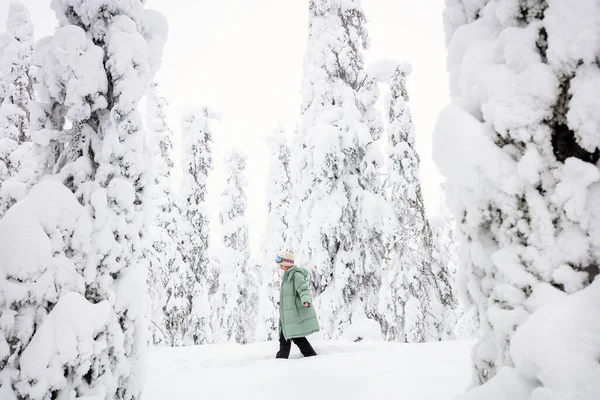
x=162 y=248
x=415 y=295
x=277 y=237
x=16 y=92
x=461 y=321
x=341 y=211
x=179 y=300
x=519 y=146
x=92 y=74
x=236 y=297
x=197 y=163
x=16 y=59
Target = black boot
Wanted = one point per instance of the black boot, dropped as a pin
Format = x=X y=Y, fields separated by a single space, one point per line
x=284 y=347
x=305 y=348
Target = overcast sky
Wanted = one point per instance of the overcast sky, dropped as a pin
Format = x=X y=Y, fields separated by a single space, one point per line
x=244 y=58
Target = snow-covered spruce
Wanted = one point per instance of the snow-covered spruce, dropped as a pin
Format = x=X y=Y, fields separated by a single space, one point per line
x=341 y=211
x=416 y=299
x=277 y=237
x=16 y=59
x=197 y=164
x=236 y=298
x=93 y=71
x=461 y=322
x=161 y=248
x=180 y=287
x=16 y=92
x=519 y=146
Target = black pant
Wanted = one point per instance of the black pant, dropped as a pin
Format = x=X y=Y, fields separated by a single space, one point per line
x=286 y=345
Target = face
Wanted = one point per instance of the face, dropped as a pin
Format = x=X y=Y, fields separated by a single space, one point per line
x=279 y=261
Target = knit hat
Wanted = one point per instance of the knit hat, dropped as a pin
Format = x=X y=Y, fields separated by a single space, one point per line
x=287 y=259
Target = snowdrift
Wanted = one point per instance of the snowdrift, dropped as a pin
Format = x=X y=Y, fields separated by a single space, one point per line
x=343 y=370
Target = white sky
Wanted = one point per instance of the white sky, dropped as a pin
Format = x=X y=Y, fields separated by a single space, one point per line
x=244 y=58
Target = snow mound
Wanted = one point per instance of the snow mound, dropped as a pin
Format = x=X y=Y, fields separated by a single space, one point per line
x=342 y=370
x=555 y=352
x=507 y=385
x=364 y=329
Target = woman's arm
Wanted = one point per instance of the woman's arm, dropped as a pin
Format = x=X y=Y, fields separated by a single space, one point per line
x=301 y=287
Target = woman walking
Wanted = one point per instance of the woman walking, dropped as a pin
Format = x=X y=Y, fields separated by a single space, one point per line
x=297 y=316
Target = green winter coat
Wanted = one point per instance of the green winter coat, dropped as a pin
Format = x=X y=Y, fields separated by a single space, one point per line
x=295 y=319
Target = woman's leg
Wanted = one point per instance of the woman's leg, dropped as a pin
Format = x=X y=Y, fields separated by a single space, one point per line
x=284 y=347
x=304 y=345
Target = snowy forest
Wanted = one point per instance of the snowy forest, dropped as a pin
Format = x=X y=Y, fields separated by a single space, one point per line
x=120 y=280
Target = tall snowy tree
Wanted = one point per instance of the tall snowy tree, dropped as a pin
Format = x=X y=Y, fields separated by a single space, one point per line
x=179 y=298
x=416 y=296
x=277 y=237
x=16 y=88
x=461 y=321
x=236 y=298
x=16 y=92
x=162 y=248
x=93 y=72
x=197 y=164
x=519 y=146
x=342 y=212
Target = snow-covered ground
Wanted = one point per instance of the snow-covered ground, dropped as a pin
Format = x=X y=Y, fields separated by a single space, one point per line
x=343 y=370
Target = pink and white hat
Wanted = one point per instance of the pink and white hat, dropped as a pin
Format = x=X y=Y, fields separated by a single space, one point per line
x=286 y=259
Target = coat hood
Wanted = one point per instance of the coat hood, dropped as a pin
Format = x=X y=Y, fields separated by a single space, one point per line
x=290 y=272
